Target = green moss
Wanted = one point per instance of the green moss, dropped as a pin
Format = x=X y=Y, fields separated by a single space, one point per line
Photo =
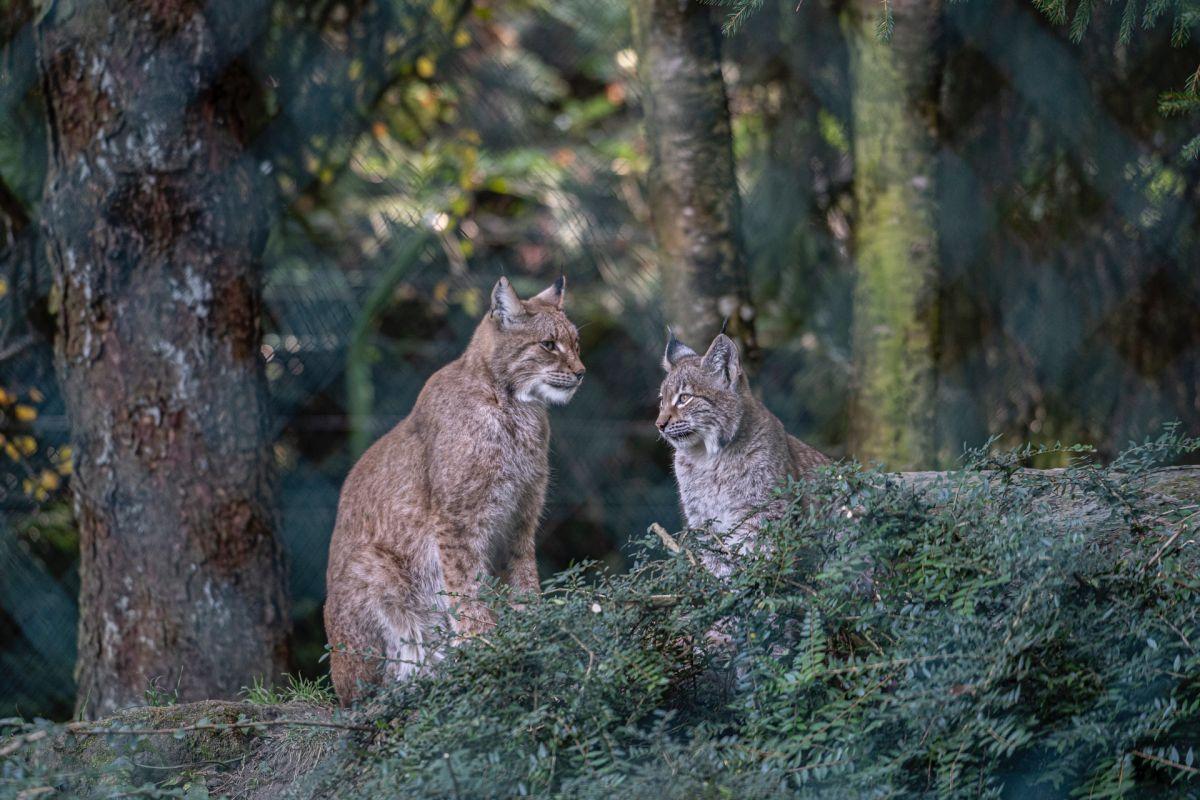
x=895 y=247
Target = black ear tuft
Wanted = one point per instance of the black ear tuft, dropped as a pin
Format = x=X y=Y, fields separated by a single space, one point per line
x=554 y=294
x=675 y=351
x=722 y=359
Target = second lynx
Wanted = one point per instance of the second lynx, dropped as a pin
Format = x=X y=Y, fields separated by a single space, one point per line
x=730 y=451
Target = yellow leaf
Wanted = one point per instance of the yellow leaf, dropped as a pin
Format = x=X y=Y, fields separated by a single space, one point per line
x=425 y=67
x=355 y=71
x=27 y=486
x=26 y=444
x=667 y=539
x=36 y=395
x=49 y=480
x=6 y=398
x=462 y=38
x=471 y=302
x=3 y=287
x=25 y=413
x=11 y=451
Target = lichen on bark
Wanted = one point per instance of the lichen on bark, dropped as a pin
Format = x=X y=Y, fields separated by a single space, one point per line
x=154 y=221
x=894 y=113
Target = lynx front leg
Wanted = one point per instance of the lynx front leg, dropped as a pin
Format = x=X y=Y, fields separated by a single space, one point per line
x=462 y=566
x=521 y=573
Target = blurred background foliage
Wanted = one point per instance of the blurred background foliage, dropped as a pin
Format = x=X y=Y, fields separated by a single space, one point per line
x=421 y=148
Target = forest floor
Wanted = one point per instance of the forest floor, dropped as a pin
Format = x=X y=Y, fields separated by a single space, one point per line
x=223 y=748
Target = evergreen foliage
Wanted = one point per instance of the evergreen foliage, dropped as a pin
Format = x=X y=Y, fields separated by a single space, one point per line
x=964 y=640
x=964 y=636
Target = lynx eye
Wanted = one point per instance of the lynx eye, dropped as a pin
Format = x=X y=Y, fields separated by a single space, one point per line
x=547 y=345
x=683 y=399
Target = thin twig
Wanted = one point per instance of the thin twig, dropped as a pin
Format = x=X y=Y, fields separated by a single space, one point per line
x=586 y=649
x=82 y=729
x=1170 y=541
x=208 y=763
x=1167 y=762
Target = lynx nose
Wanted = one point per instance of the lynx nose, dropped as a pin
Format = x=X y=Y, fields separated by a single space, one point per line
x=662 y=422
x=579 y=372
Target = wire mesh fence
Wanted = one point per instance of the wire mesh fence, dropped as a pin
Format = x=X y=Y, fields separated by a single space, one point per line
x=1066 y=300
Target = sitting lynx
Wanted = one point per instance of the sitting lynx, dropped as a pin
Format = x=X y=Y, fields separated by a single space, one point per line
x=451 y=493
x=730 y=451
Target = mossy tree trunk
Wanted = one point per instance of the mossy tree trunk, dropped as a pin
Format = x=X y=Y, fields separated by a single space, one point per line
x=692 y=187
x=894 y=111
x=153 y=216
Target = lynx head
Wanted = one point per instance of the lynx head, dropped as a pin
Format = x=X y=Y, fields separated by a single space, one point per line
x=536 y=348
x=700 y=404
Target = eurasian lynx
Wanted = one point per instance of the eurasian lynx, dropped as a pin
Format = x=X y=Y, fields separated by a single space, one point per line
x=451 y=493
x=730 y=451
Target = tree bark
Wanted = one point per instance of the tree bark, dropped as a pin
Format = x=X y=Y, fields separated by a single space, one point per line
x=894 y=111
x=154 y=224
x=692 y=190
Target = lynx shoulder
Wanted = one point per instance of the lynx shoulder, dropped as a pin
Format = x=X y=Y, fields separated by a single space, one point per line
x=730 y=450
x=453 y=493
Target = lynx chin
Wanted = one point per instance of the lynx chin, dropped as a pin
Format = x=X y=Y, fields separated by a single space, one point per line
x=730 y=451
x=450 y=494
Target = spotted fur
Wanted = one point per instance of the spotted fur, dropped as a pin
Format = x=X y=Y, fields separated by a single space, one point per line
x=451 y=494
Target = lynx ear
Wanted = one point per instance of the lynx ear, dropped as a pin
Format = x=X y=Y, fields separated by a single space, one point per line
x=554 y=295
x=675 y=351
x=723 y=360
x=506 y=306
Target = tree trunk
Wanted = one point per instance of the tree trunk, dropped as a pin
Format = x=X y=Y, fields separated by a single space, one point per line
x=154 y=224
x=693 y=196
x=894 y=111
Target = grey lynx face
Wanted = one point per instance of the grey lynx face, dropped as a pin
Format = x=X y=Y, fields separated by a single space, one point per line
x=537 y=347
x=699 y=404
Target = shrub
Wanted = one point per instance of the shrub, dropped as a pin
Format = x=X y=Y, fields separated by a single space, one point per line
x=992 y=631
x=985 y=632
